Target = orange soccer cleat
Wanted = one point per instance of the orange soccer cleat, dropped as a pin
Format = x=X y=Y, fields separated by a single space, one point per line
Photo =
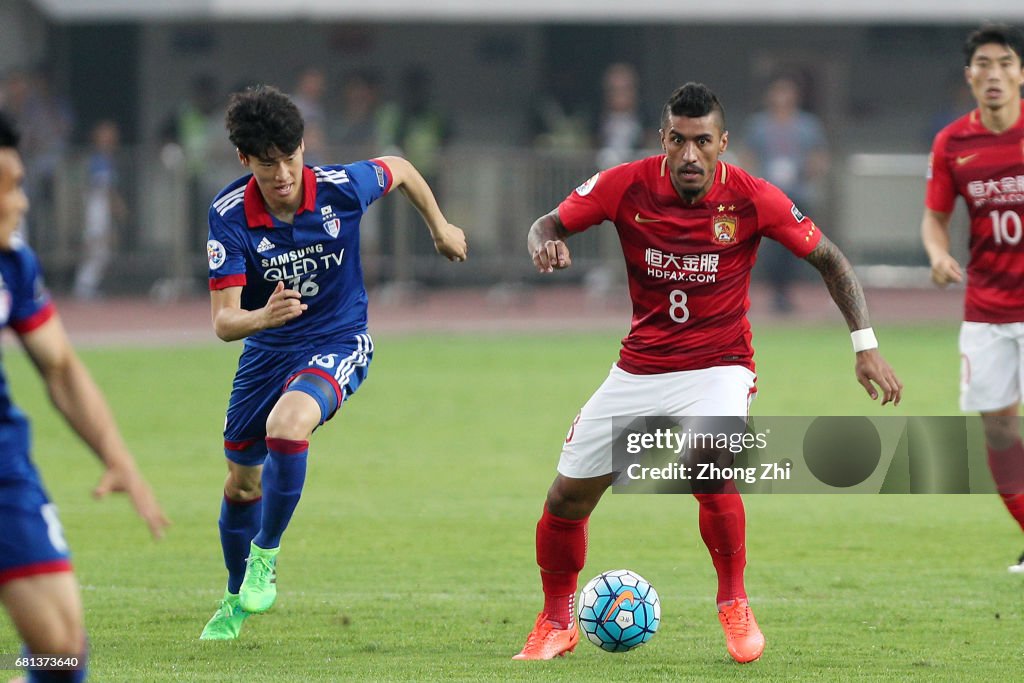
x=547 y=642
x=742 y=636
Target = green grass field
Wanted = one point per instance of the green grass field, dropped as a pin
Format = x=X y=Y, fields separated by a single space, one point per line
x=410 y=557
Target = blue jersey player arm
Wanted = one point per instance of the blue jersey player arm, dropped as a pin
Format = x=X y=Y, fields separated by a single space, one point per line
x=449 y=240
x=232 y=322
x=80 y=401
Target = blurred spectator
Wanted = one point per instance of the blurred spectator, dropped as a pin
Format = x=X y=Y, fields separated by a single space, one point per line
x=308 y=97
x=558 y=121
x=46 y=122
x=196 y=126
x=360 y=131
x=786 y=145
x=553 y=127
x=361 y=134
x=103 y=209
x=415 y=127
x=620 y=133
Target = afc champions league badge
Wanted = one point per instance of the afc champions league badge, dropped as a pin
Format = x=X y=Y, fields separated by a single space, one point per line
x=588 y=185
x=215 y=254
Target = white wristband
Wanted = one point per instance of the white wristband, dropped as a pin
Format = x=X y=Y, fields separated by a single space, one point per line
x=864 y=339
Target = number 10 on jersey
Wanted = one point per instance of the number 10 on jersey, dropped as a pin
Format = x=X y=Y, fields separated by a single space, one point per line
x=1006 y=227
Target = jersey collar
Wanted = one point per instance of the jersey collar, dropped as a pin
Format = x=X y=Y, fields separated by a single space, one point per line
x=256 y=214
x=974 y=119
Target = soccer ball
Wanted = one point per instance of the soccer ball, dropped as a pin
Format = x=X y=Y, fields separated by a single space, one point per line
x=619 y=610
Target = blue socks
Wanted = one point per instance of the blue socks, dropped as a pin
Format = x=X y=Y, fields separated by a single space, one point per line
x=239 y=522
x=284 y=473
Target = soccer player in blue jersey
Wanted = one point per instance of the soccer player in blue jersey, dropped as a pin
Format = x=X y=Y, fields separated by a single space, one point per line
x=285 y=276
x=37 y=586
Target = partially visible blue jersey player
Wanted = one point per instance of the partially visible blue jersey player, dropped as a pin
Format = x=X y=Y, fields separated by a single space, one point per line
x=37 y=587
x=285 y=275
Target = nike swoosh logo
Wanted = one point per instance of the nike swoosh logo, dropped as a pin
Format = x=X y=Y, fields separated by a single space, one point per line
x=623 y=596
x=960 y=161
x=638 y=219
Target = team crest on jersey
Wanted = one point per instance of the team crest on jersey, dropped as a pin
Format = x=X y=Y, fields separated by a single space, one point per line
x=584 y=189
x=724 y=229
x=333 y=227
x=216 y=254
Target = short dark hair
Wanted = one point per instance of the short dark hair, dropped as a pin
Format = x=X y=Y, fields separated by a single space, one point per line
x=694 y=101
x=999 y=34
x=263 y=118
x=9 y=135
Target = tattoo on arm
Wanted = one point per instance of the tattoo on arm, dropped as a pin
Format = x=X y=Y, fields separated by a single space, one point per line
x=842 y=283
x=556 y=223
x=547 y=227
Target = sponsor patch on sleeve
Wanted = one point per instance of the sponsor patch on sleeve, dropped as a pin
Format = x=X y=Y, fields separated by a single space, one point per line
x=796 y=213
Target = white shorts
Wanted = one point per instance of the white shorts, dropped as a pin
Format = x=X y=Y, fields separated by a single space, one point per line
x=991 y=366
x=720 y=391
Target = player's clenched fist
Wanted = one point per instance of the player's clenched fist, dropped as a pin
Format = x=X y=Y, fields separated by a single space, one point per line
x=450 y=242
x=552 y=255
x=282 y=306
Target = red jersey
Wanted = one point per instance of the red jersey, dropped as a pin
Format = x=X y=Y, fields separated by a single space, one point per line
x=987 y=170
x=688 y=264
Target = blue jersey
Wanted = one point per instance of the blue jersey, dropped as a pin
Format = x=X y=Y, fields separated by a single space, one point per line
x=317 y=255
x=25 y=304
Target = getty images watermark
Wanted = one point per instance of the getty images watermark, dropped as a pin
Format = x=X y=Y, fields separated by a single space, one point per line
x=683 y=441
x=665 y=454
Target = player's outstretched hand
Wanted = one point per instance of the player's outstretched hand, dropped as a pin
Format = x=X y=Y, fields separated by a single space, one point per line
x=946 y=270
x=451 y=243
x=122 y=479
x=872 y=369
x=552 y=255
x=282 y=306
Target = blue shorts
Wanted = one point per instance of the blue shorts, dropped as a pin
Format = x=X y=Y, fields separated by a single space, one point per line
x=330 y=373
x=32 y=541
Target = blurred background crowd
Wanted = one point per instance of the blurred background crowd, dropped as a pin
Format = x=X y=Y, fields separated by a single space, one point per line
x=121 y=108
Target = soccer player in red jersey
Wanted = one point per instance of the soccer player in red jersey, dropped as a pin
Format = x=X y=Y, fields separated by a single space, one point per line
x=690 y=225
x=980 y=157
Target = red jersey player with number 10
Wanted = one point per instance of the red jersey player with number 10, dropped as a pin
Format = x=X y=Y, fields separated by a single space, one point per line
x=689 y=225
x=980 y=157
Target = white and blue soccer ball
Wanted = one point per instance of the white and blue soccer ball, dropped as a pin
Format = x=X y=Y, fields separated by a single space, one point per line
x=619 y=610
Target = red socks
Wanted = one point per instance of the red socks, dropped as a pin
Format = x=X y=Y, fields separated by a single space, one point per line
x=1007 y=467
x=561 y=554
x=723 y=528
